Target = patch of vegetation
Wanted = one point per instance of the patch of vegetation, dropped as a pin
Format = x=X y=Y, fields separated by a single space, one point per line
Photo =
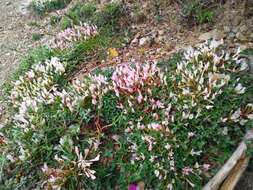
x=79 y=13
x=167 y=126
x=43 y=6
x=34 y=23
x=109 y=33
x=35 y=56
x=199 y=11
x=55 y=20
x=248 y=51
x=108 y=16
x=37 y=36
x=131 y=124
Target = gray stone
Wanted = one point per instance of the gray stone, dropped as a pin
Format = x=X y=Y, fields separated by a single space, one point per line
x=145 y=41
x=161 y=32
x=231 y=35
x=237 y=20
x=241 y=37
x=243 y=28
x=227 y=29
x=250 y=62
x=215 y=34
x=160 y=39
x=235 y=29
x=134 y=41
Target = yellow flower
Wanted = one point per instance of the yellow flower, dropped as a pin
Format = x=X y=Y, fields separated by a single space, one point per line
x=112 y=52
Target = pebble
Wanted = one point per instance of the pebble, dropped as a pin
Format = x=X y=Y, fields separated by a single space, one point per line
x=231 y=35
x=251 y=37
x=242 y=37
x=243 y=28
x=227 y=29
x=145 y=41
x=161 y=32
x=237 y=21
x=235 y=29
x=134 y=41
x=215 y=34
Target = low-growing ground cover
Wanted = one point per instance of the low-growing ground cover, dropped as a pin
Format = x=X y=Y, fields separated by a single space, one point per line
x=165 y=125
x=43 y=6
x=170 y=129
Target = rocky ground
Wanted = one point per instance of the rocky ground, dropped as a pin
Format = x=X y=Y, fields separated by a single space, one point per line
x=15 y=36
x=17 y=28
x=158 y=39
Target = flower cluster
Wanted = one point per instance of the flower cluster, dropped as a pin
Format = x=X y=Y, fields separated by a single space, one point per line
x=66 y=38
x=134 y=85
x=241 y=115
x=97 y=88
x=55 y=177
x=150 y=123
x=129 y=80
x=35 y=87
x=201 y=77
x=80 y=164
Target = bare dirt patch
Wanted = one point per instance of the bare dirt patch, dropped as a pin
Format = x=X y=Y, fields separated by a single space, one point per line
x=16 y=34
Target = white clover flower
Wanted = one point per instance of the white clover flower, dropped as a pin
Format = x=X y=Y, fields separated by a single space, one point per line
x=239 y=89
x=236 y=115
x=157 y=173
x=193 y=152
x=243 y=65
x=169 y=186
x=10 y=157
x=84 y=164
x=167 y=146
x=191 y=134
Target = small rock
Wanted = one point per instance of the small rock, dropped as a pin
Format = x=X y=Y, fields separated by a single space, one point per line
x=251 y=37
x=241 y=37
x=161 y=32
x=226 y=29
x=145 y=41
x=159 y=39
x=238 y=35
x=154 y=34
x=141 y=185
x=8 y=3
x=215 y=34
x=231 y=35
x=134 y=41
x=243 y=28
x=237 y=20
x=235 y=29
